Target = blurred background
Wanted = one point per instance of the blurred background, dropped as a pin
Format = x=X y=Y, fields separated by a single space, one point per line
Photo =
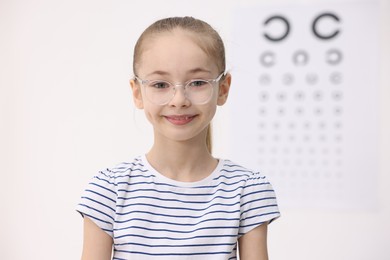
x=66 y=112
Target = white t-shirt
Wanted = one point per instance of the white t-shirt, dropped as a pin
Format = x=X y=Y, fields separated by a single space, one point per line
x=150 y=216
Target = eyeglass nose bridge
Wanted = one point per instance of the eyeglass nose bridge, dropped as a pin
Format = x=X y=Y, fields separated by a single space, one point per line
x=183 y=86
x=176 y=86
x=179 y=85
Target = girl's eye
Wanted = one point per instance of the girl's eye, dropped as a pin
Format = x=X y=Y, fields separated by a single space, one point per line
x=159 y=84
x=197 y=83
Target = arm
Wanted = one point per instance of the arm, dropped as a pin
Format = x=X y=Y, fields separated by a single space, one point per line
x=97 y=243
x=253 y=245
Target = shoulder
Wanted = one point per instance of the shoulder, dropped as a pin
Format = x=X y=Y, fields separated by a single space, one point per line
x=255 y=187
x=258 y=202
x=109 y=178
x=102 y=189
x=231 y=170
x=122 y=170
x=99 y=199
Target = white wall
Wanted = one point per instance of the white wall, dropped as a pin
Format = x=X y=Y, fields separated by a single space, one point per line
x=66 y=112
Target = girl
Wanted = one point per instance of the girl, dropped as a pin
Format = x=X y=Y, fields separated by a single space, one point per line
x=178 y=201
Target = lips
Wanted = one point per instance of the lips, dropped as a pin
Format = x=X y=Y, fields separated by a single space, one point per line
x=180 y=119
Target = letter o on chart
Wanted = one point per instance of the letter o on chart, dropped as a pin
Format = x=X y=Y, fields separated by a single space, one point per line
x=267 y=59
x=300 y=58
x=333 y=56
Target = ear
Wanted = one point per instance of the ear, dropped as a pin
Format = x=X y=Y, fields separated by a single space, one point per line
x=137 y=94
x=224 y=88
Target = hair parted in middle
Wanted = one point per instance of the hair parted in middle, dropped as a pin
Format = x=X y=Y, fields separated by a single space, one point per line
x=207 y=38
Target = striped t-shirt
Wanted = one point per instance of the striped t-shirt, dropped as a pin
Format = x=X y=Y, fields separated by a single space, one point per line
x=150 y=216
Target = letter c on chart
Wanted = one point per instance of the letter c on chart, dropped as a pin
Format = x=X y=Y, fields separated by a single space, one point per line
x=323 y=36
x=284 y=34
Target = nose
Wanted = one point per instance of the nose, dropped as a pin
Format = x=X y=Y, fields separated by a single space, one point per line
x=179 y=98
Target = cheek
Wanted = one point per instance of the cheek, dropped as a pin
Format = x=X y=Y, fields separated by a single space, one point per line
x=214 y=99
x=212 y=108
x=215 y=94
x=152 y=113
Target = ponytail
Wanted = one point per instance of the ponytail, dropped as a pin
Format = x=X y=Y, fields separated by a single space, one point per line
x=209 y=140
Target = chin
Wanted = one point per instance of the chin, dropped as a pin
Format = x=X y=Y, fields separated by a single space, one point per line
x=182 y=135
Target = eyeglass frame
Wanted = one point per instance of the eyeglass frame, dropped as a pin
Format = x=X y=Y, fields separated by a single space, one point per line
x=212 y=82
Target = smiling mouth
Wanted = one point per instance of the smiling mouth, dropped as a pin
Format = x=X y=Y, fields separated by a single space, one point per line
x=180 y=119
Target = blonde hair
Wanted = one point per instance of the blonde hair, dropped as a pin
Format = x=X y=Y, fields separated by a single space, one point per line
x=207 y=38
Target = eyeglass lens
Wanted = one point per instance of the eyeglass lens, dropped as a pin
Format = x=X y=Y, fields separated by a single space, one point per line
x=161 y=92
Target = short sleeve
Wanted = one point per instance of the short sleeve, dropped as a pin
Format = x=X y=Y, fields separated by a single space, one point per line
x=98 y=201
x=258 y=203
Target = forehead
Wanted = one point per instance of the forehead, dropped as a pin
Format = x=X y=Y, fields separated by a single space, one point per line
x=175 y=52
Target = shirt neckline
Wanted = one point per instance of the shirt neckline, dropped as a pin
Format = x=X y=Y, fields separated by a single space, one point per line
x=163 y=178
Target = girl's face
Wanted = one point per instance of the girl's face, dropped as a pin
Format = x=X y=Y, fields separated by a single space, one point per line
x=175 y=57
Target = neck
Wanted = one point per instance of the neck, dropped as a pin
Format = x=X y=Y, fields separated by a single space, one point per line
x=187 y=160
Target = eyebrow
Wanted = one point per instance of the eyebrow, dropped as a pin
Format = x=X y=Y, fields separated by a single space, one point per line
x=165 y=73
x=157 y=72
x=196 y=70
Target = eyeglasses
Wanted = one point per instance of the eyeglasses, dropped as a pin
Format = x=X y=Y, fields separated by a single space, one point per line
x=161 y=92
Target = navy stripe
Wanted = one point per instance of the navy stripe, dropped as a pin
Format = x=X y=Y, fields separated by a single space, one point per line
x=129 y=170
x=98 y=202
x=126 y=169
x=256 y=184
x=261 y=207
x=179 y=216
x=257 y=192
x=177 y=193
x=176 y=200
x=177 y=246
x=254 y=224
x=231 y=177
x=95 y=218
x=170 y=185
x=99 y=211
x=138 y=160
x=178 y=208
x=176 y=231
x=251 y=225
x=178 y=224
x=256 y=200
x=236 y=170
x=102 y=187
x=101 y=195
x=261 y=215
x=231 y=164
x=174 y=238
x=256 y=178
x=171 y=254
x=107 y=181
